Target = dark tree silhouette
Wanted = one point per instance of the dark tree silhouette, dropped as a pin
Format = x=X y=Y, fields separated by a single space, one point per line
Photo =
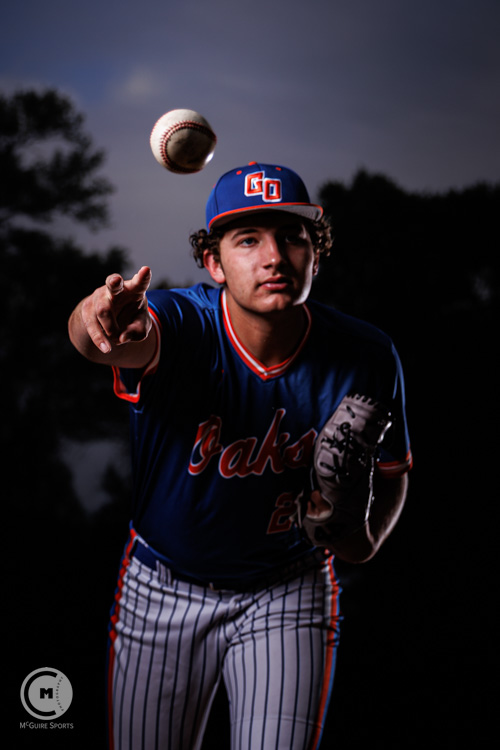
x=401 y=259
x=47 y=161
x=50 y=169
x=424 y=267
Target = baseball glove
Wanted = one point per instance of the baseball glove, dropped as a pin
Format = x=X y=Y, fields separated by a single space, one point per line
x=343 y=466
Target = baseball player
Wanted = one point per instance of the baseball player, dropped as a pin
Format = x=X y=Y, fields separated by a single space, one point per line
x=268 y=435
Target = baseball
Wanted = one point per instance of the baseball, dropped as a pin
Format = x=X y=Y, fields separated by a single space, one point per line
x=182 y=141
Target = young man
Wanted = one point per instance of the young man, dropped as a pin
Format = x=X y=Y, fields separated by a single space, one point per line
x=229 y=388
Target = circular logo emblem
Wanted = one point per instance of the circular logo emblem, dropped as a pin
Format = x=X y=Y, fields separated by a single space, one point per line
x=46 y=693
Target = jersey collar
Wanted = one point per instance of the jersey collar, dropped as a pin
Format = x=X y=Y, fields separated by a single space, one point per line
x=265 y=373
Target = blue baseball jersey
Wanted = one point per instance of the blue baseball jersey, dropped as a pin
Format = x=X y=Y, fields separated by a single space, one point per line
x=221 y=445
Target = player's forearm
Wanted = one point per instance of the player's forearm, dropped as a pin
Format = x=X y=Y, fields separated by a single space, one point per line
x=389 y=500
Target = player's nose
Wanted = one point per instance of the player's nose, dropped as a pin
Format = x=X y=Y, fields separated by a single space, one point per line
x=272 y=250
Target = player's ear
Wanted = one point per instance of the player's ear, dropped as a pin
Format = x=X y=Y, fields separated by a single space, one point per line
x=316 y=263
x=213 y=265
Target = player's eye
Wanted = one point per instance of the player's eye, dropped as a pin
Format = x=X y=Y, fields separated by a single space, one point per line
x=247 y=241
x=294 y=238
x=295 y=235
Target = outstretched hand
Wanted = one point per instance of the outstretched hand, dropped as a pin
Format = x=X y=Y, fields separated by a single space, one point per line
x=117 y=313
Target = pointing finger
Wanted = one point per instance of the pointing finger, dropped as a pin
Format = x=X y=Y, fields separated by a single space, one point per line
x=114 y=284
x=140 y=282
x=97 y=323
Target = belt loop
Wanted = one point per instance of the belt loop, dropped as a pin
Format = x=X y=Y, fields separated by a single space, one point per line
x=134 y=541
x=164 y=573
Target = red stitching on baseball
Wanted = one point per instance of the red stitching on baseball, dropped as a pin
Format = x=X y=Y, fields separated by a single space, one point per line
x=190 y=124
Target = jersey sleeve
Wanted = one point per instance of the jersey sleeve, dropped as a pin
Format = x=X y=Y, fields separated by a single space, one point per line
x=395 y=456
x=127 y=382
x=181 y=326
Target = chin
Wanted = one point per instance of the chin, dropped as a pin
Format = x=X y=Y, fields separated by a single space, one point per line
x=282 y=302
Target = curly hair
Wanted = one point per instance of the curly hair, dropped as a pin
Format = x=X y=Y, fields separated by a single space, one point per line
x=319 y=231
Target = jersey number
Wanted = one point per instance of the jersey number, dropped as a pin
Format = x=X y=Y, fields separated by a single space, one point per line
x=280 y=520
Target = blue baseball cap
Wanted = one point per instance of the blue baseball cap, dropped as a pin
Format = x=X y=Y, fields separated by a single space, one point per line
x=258 y=187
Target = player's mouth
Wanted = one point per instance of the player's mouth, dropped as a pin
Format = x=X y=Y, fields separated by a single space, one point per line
x=276 y=283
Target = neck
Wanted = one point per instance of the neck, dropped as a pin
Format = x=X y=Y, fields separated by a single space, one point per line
x=271 y=338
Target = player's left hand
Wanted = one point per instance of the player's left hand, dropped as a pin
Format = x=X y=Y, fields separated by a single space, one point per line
x=339 y=500
x=317 y=506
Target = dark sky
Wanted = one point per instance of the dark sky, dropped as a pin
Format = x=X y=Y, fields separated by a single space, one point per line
x=406 y=88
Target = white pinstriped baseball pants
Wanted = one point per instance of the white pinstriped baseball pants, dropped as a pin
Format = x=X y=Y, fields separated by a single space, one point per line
x=171 y=642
